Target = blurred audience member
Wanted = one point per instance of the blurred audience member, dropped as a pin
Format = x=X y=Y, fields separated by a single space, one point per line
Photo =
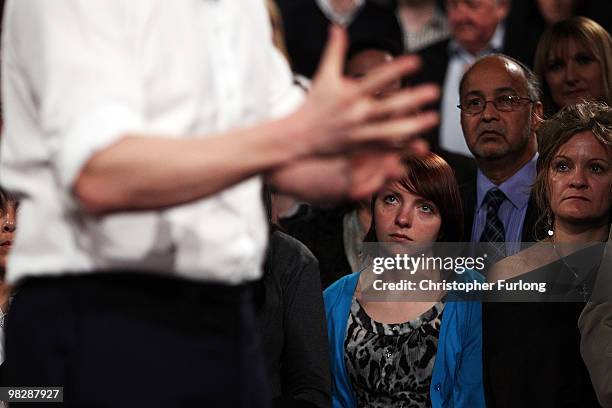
x=391 y=353
x=8 y=225
x=291 y=321
x=528 y=19
x=423 y=23
x=307 y=23
x=334 y=235
x=8 y=212
x=574 y=62
x=595 y=325
x=477 y=29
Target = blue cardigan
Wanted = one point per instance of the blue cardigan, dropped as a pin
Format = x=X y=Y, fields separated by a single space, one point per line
x=457 y=374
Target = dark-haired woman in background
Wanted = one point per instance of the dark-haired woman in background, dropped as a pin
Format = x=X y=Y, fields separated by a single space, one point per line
x=574 y=63
x=412 y=353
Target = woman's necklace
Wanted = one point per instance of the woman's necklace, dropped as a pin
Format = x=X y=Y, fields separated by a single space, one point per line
x=584 y=292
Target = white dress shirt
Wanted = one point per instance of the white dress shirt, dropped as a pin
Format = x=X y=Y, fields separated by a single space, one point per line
x=79 y=74
x=451 y=134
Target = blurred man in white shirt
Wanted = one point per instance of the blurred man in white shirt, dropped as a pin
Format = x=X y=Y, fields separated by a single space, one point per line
x=136 y=135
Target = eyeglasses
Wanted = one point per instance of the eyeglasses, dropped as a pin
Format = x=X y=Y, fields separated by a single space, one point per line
x=503 y=103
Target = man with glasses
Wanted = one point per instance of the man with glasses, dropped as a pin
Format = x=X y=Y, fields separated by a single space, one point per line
x=500 y=111
x=305 y=23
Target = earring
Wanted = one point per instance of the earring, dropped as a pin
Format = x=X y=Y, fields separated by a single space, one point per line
x=549 y=225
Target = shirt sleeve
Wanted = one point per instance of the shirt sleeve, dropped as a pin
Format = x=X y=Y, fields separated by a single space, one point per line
x=285 y=95
x=79 y=75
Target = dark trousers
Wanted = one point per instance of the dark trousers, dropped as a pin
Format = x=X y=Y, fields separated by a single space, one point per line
x=136 y=340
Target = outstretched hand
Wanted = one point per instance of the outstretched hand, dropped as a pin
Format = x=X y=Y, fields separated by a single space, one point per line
x=343 y=114
x=357 y=137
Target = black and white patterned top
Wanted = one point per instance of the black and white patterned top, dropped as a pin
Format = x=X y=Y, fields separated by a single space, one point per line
x=390 y=365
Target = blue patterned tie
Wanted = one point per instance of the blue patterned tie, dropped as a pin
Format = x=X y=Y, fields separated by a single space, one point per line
x=494 y=234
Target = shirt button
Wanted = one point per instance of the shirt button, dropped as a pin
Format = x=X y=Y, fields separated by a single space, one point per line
x=438 y=387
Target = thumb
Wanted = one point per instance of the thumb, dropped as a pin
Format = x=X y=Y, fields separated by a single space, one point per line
x=332 y=61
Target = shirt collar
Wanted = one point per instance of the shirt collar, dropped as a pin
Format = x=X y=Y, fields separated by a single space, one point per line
x=495 y=45
x=517 y=188
x=342 y=19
